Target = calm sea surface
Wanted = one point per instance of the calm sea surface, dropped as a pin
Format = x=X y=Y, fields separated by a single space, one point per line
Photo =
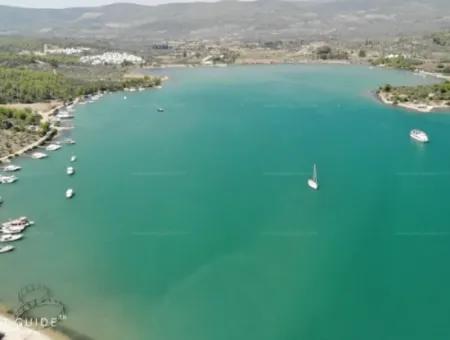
x=196 y=223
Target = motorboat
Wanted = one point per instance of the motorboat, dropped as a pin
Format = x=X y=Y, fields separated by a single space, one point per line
x=6 y=249
x=70 y=193
x=73 y=158
x=419 y=136
x=38 y=155
x=10 y=237
x=69 y=141
x=8 y=179
x=313 y=182
x=53 y=147
x=70 y=170
x=65 y=115
x=22 y=221
x=160 y=109
x=11 y=168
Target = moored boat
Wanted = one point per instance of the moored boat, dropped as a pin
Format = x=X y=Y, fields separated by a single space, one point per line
x=70 y=193
x=8 y=179
x=65 y=115
x=419 y=136
x=38 y=155
x=53 y=147
x=70 y=170
x=73 y=158
x=10 y=237
x=160 y=109
x=69 y=141
x=11 y=168
x=22 y=221
x=6 y=249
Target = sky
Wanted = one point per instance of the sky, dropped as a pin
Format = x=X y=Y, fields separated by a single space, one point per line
x=79 y=3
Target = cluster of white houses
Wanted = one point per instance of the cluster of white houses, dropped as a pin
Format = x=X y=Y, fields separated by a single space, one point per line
x=111 y=58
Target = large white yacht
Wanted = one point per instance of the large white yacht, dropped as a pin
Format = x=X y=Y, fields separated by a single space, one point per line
x=419 y=136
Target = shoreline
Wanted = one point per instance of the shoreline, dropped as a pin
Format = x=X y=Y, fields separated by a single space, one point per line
x=53 y=131
x=384 y=98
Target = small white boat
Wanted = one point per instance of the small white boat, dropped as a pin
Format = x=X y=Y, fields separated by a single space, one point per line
x=73 y=158
x=70 y=170
x=160 y=109
x=12 y=230
x=11 y=168
x=69 y=141
x=18 y=222
x=312 y=182
x=124 y=97
x=8 y=179
x=53 y=147
x=141 y=89
x=65 y=115
x=10 y=238
x=70 y=193
x=419 y=136
x=6 y=249
x=38 y=155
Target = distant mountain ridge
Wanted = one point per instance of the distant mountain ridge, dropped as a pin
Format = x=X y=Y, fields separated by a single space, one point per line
x=264 y=19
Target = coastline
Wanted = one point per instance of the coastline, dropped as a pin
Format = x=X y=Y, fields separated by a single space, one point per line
x=54 y=106
x=429 y=107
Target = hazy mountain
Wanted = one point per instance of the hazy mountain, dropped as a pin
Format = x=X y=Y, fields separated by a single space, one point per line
x=267 y=19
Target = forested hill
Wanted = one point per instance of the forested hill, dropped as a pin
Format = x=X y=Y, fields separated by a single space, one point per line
x=28 y=86
x=238 y=20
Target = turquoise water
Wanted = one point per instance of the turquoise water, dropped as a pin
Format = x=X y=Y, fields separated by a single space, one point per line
x=196 y=223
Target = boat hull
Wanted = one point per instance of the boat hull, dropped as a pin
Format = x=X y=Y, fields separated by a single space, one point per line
x=313 y=184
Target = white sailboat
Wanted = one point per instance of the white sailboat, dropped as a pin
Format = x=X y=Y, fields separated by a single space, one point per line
x=312 y=182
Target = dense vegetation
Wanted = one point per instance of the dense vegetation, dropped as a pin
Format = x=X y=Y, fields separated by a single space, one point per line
x=18 y=119
x=27 y=86
x=422 y=93
x=399 y=62
x=10 y=59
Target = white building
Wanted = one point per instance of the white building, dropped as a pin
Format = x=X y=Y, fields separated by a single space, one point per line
x=114 y=58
